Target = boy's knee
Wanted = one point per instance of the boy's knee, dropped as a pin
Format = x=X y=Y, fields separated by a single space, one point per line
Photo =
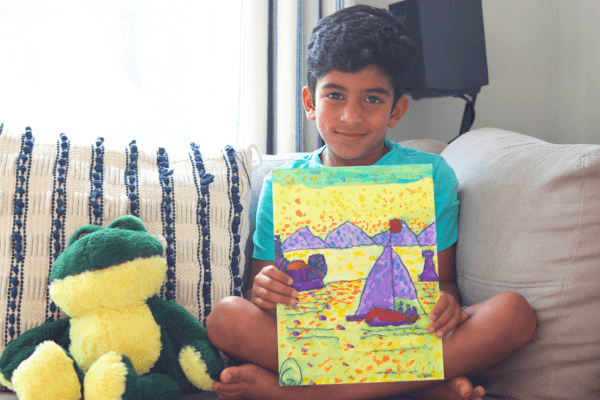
x=224 y=318
x=520 y=318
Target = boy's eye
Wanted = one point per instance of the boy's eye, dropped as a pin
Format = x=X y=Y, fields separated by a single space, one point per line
x=373 y=99
x=335 y=96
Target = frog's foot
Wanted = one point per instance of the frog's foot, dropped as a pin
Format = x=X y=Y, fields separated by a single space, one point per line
x=194 y=367
x=111 y=377
x=49 y=373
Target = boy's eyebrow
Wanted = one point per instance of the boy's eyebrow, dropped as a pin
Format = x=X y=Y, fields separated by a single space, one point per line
x=381 y=91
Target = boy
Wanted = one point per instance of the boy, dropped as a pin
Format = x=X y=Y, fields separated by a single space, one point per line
x=357 y=66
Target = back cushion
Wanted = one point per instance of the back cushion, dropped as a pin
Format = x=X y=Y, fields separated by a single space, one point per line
x=529 y=222
x=198 y=202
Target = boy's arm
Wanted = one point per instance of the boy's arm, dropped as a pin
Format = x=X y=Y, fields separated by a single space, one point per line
x=447 y=313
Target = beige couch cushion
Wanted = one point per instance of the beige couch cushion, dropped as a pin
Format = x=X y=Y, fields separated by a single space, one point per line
x=529 y=222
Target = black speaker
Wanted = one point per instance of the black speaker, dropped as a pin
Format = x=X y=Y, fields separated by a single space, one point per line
x=450 y=43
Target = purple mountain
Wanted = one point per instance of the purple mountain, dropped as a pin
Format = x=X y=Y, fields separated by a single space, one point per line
x=303 y=239
x=382 y=238
x=348 y=235
x=427 y=237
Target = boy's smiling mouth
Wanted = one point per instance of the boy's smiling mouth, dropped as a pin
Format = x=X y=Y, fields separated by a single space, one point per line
x=352 y=134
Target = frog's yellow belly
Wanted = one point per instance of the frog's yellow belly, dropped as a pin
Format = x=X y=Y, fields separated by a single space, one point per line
x=131 y=331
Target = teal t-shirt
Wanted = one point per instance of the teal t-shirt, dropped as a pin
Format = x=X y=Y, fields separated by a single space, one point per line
x=444 y=186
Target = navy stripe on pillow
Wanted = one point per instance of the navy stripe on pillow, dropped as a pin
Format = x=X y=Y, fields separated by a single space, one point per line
x=59 y=207
x=19 y=238
x=168 y=290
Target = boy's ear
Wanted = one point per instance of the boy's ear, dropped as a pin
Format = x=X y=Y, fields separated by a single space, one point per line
x=309 y=106
x=398 y=112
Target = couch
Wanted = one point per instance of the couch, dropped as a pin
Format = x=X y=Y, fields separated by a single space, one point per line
x=529 y=222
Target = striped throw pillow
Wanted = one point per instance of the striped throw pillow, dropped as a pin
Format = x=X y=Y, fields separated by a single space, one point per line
x=199 y=203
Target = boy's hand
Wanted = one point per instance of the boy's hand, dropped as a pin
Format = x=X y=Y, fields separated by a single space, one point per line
x=272 y=286
x=446 y=315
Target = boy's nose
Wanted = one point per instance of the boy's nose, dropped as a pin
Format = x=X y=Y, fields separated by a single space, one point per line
x=352 y=114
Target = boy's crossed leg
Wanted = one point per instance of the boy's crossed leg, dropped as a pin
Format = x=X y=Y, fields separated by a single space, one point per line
x=496 y=329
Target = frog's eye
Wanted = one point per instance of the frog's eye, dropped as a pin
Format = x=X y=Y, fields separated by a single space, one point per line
x=118 y=227
x=82 y=234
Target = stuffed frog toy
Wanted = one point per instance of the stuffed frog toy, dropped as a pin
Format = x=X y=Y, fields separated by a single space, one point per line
x=121 y=341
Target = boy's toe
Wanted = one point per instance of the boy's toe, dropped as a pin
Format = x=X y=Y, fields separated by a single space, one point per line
x=478 y=392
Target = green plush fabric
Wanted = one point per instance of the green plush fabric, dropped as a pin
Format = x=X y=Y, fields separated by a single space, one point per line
x=184 y=330
x=87 y=250
x=95 y=248
x=159 y=387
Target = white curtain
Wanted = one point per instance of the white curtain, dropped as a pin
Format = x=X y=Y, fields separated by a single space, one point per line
x=154 y=71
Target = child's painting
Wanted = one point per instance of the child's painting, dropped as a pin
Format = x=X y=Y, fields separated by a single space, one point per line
x=360 y=245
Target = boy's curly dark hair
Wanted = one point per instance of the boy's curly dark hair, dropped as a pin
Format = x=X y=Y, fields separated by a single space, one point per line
x=356 y=37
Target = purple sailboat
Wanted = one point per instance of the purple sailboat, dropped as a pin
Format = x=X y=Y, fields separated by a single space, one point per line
x=387 y=286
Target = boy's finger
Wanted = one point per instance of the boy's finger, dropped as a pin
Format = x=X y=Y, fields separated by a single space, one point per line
x=439 y=308
x=264 y=304
x=448 y=326
x=272 y=272
x=274 y=285
x=286 y=296
x=442 y=319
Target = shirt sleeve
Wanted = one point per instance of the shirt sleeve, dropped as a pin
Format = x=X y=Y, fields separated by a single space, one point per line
x=264 y=244
x=446 y=205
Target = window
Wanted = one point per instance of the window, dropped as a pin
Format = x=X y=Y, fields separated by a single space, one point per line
x=153 y=71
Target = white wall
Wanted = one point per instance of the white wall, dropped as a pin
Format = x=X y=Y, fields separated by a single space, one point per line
x=544 y=73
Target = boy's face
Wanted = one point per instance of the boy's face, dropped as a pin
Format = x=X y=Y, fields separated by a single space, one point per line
x=353 y=112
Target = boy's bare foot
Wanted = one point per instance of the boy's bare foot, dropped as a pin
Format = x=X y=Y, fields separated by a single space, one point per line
x=248 y=381
x=459 y=388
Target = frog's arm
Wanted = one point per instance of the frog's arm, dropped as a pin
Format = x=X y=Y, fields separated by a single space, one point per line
x=23 y=346
x=189 y=339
